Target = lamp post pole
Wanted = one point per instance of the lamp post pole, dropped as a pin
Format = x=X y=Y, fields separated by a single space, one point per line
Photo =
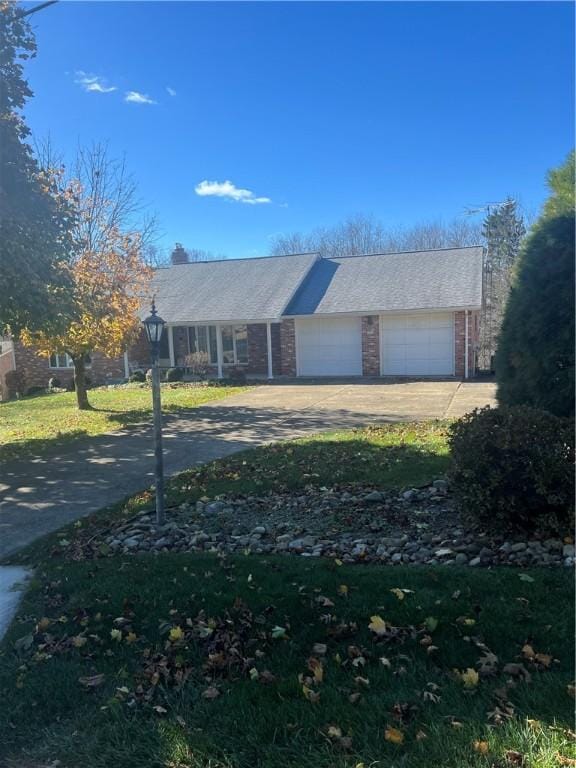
x=154 y=325
x=159 y=464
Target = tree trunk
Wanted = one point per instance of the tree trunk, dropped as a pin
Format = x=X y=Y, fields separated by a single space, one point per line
x=80 y=383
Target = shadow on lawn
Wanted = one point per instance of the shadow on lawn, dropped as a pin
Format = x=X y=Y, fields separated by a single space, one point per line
x=78 y=477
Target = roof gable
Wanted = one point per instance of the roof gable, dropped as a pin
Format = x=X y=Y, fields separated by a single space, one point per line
x=230 y=290
x=437 y=279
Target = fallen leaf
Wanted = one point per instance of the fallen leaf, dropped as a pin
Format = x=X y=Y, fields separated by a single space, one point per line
x=116 y=634
x=420 y=735
x=343 y=590
x=130 y=638
x=481 y=747
x=514 y=758
x=91 y=681
x=79 y=641
x=315 y=666
x=176 y=633
x=470 y=678
x=159 y=710
x=211 y=693
x=431 y=623
x=525 y=577
x=394 y=736
x=310 y=695
x=377 y=625
x=334 y=732
x=562 y=760
x=319 y=649
x=278 y=633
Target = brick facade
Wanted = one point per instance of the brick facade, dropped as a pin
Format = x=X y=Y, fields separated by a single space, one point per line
x=34 y=370
x=288 y=347
x=460 y=342
x=371 y=345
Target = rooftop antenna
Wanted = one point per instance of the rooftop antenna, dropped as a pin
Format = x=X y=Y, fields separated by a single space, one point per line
x=36 y=8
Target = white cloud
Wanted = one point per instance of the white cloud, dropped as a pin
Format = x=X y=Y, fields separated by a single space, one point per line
x=92 y=83
x=170 y=91
x=135 y=97
x=230 y=191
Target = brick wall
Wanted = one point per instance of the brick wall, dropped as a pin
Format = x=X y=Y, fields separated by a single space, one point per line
x=460 y=343
x=35 y=370
x=257 y=349
x=370 y=346
x=288 y=347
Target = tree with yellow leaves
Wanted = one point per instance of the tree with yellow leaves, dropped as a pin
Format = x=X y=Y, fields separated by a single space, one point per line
x=108 y=277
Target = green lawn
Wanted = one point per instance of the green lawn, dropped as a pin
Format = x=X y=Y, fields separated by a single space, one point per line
x=35 y=423
x=391 y=455
x=188 y=661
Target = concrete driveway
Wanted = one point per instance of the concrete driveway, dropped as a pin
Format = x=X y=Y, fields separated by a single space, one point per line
x=42 y=494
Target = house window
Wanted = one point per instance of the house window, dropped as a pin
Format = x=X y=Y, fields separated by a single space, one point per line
x=202 y=338
x=63 y=360
x=234 y=344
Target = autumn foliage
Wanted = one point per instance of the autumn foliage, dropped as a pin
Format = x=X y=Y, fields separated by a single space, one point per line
x=107 y=289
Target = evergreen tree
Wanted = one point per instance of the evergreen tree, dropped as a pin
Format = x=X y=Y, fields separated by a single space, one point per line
x=35 y=216
x=535 y=359
x=561 y=184
x=503 y=231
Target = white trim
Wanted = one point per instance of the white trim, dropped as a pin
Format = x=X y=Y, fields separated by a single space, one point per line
x=420 y=375
x=191 y=323
x=269 y=348
x=219 y=351
x=367 y=312
x=126 y=366
x=466 y=344
x=171 y=345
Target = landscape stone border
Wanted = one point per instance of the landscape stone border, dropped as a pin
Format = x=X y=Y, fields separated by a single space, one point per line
x=350 y=523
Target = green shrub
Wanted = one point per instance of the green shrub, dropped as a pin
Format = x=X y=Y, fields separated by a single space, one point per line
x=174 y=374
x=514 y=467
x=137 y=377
x=35 y=390
x=535 y=355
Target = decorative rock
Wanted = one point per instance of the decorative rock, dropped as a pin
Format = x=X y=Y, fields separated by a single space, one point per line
x=440 y=484
x=214 y=508
x=461 y=559
x=520 y=546
x=474 y=562
x=568 y=550
x=374 y=496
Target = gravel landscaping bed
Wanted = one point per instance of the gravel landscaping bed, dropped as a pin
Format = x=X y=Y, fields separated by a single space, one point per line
x=352 y=524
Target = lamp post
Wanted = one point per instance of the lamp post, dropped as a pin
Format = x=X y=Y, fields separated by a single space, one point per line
x=154 y=325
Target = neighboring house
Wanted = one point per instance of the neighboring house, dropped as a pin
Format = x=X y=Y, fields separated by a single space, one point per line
x=413 y=314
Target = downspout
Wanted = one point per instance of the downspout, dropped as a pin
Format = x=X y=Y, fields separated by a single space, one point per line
x=466 y=344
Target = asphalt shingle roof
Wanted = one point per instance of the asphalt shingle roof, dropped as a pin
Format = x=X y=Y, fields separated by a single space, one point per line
x=440 y=279
x=233 y=289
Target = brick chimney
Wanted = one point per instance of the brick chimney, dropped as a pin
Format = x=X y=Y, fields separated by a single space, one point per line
x=179 y=255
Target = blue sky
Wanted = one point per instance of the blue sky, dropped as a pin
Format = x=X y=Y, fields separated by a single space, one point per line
x=405 y=111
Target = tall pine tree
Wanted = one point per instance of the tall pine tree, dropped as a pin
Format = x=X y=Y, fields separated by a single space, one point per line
x=503 y=231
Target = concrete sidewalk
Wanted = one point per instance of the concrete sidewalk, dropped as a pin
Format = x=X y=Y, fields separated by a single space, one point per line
x=42 y=494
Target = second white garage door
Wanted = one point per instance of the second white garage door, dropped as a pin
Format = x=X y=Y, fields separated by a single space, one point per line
x=418 y=345
x=329 y=347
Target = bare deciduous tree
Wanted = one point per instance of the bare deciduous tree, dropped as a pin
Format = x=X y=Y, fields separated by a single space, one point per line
x=365 y=234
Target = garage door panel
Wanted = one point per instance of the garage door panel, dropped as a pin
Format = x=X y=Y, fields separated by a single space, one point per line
x=329 y=346
x=418 y=345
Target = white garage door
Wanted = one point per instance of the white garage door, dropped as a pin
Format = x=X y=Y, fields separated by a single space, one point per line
x=418 y=345
x=329 y=347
